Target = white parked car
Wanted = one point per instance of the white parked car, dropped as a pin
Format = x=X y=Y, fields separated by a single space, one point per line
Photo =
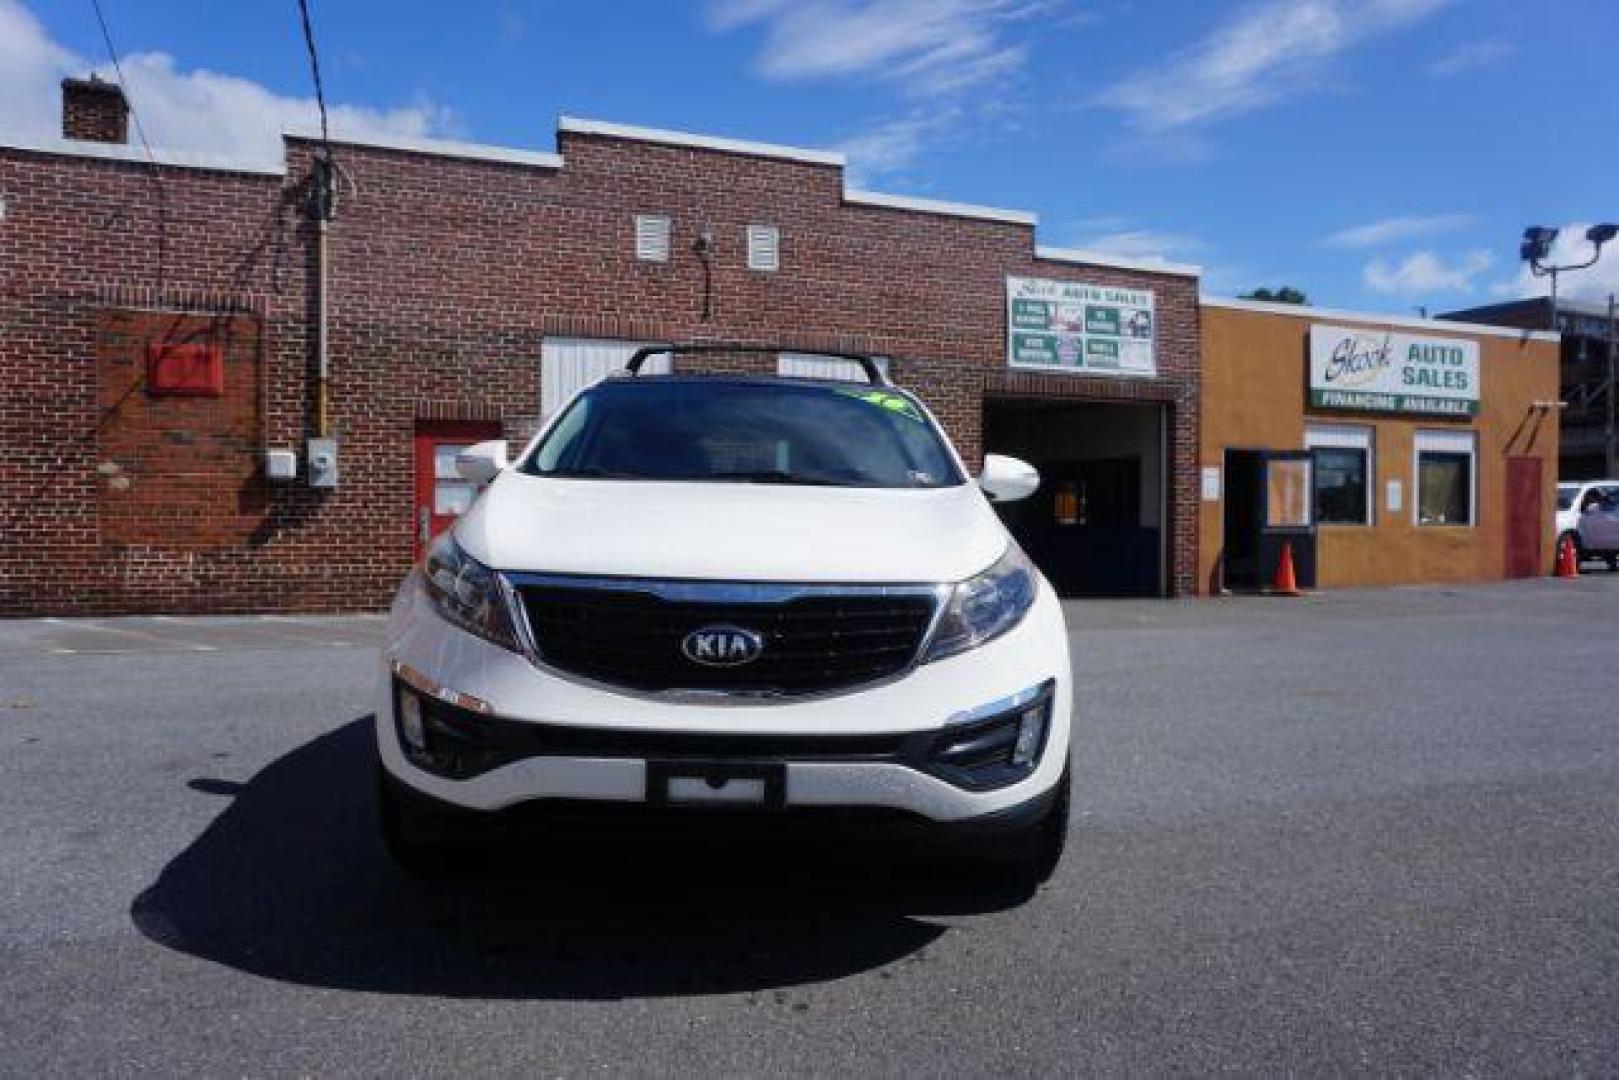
x=766 y=596
x=1598 y=529
x=1585 y=515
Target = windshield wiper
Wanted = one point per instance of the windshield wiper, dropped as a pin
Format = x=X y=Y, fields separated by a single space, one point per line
x=773 y=476
x=592 y=473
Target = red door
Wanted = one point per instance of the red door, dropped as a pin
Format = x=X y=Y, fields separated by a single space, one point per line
x=1524 y=521
x=441 y=494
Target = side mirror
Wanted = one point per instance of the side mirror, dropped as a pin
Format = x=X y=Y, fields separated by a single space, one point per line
x=1006 y=479
x=482 y=462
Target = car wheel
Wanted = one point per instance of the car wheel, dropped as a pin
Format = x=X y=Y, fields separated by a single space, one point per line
x=402 y=836
x=1613 y=562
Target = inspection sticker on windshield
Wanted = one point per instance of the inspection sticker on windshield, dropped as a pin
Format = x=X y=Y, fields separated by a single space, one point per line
x=894 y=403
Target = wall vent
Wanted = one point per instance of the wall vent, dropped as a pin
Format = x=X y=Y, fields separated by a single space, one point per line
x=764 y=247
x=652 y=237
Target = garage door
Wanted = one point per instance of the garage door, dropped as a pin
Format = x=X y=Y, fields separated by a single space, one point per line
x=814 y=366
x=568 y=365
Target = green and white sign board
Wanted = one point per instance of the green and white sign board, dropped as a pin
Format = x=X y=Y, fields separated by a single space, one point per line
x=1381 y=371
x=1071 y=326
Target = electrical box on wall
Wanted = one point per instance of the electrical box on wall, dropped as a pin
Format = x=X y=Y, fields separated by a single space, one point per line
x=280 y=464
x=322 y=463
x=185 y=368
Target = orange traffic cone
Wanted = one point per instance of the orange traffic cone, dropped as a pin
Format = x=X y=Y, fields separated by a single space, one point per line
x=1286 y=584
x=1568 y=563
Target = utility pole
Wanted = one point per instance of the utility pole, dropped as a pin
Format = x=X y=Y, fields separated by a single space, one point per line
x=1613 y=392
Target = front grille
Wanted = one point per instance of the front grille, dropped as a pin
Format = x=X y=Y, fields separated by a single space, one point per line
x=816 y=639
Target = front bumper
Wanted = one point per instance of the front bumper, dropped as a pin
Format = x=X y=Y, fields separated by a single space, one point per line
x=864 y=749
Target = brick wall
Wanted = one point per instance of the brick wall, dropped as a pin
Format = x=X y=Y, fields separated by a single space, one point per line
x=445 y=275
x=177 y=472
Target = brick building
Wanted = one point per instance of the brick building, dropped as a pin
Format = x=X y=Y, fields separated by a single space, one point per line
x=1378 y=449
x=1589 y=334
x=165 y=320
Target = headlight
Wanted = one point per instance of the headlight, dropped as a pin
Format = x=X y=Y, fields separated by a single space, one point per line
x=468 y=593
x=983 y=608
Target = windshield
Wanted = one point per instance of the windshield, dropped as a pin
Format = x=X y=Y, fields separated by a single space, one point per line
x=1565 y=495
x=746 y=432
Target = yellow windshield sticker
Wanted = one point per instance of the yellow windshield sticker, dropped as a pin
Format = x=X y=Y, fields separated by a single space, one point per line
x=883 y=399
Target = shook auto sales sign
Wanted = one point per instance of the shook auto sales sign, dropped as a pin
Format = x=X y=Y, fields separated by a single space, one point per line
x=1073 y=326
x=1381 y=371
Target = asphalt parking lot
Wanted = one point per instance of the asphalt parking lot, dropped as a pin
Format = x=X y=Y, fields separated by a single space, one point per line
x=1360 y=832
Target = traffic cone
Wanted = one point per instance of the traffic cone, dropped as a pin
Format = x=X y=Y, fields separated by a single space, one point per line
x=1568 y=563
x=1286 y=584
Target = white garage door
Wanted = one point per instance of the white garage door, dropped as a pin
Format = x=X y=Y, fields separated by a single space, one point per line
x=814 y=366
x=568 y=365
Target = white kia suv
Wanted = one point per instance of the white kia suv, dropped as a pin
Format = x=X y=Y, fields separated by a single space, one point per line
x=766 y=598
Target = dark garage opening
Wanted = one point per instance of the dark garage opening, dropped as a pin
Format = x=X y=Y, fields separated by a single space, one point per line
x=1096 y=524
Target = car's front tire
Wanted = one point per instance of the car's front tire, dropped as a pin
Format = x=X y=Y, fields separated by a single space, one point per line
x=408 y=843
x=1026 y=859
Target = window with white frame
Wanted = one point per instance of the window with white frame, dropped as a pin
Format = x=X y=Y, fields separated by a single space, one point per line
x=815 y=366
x=1344 y=473
x=1447 y=478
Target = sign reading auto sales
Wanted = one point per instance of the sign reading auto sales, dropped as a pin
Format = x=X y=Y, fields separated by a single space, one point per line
x=1072 y=326
x=1380 y=371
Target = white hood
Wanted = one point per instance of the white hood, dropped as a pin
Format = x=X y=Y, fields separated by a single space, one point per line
x=732 y=532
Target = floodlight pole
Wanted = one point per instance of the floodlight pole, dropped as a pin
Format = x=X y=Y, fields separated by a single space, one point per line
x=1613 y=391
x=1537 y=245
x=1542 y=269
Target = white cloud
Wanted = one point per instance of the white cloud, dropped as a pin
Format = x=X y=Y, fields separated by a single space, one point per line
x=195 y=110
x=31 y=66
x=1389 y=230
x=1265 y=53
x=928 y=47
x=1593 y=283
x=1148 y=244
x=893 y=146
x=1423 y=272
x=1470 y=56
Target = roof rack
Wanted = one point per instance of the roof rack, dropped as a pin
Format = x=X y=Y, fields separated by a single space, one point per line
x=874 y=373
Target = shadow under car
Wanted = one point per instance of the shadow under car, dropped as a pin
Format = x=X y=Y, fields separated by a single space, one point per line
x=291 y=882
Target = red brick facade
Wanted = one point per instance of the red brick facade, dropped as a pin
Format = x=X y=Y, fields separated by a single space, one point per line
x=446 y=273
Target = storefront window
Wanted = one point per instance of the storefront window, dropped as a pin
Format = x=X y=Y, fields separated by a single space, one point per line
x=1444 y=478
x=1287 y=500
x=1342 y=454
x=1340 y=486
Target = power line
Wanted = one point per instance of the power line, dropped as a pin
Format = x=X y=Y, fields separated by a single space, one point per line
x=118 y=69
x=314 y=70
x=140 y=132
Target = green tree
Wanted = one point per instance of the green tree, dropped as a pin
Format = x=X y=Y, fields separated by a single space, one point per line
x=1287 y=294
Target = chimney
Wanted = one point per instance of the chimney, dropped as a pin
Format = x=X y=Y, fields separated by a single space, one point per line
x=94 y=110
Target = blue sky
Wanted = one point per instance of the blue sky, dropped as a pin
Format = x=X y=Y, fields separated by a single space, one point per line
x=1380 y=154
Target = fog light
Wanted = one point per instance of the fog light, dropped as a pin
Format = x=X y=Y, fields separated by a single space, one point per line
x=1031 y=732
x=410 y=721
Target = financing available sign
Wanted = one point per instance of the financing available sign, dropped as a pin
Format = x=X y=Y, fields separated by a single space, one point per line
x=1072 y=326
x=1381 y=371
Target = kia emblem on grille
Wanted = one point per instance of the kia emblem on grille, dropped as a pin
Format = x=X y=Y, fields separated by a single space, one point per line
x=722 y=646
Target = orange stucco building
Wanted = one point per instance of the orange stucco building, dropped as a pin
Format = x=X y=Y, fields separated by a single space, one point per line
x=1376 y=450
